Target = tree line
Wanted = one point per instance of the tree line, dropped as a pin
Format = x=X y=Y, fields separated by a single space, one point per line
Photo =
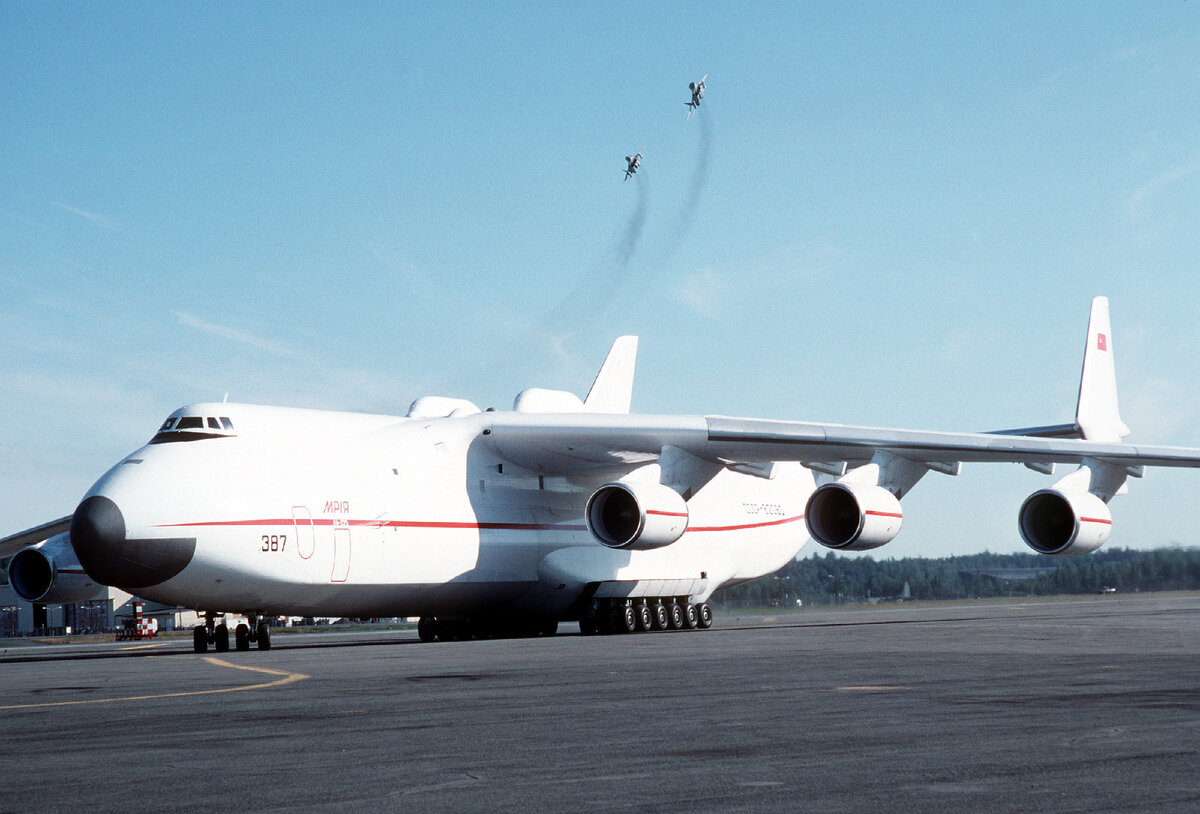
x=834 y=578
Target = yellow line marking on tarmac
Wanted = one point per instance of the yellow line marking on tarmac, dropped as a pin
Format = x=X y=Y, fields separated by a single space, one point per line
x=285 y=678
x=872 y=688
x=141 y=646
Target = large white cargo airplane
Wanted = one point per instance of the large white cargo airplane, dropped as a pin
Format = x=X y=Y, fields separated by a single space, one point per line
x=486 y=523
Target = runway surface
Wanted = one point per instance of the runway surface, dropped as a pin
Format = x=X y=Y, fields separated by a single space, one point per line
x=1073 y=705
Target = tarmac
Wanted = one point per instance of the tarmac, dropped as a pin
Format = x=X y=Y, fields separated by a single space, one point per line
x=1070 y=705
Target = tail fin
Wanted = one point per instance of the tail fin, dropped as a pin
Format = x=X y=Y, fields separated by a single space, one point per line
x=1096 y=413
x=612 y=392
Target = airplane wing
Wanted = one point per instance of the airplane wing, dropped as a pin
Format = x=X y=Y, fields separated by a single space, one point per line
x=574 y=442
x=579 y=441
x=12 y=544
x=810 y=442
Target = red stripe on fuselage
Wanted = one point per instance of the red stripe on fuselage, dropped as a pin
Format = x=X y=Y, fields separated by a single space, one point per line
x=407 y=524
x=457 y=524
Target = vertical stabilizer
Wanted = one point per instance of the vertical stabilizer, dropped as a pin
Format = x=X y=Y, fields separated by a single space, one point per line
x=612 y=392
x=1096 y=413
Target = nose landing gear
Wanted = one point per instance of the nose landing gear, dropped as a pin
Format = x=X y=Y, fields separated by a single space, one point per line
x=210 y=632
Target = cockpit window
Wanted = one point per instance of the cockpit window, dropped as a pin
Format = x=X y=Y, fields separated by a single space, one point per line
x=193 y=428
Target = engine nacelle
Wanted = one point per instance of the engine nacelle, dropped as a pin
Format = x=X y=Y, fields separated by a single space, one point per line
x=1064 y=524
x=49 y=572
x=853 y=516
x=636 y=515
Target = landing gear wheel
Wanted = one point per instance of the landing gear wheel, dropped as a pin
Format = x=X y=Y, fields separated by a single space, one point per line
x=675 y=620
x=661 y=617
x=691 y=616
x=200 y=639
x=221 y=638
x=628 y=619
x=426 y=629
x=241 y=637
x=549 y=627
x=645 y=618
x=706 y=615
x=587 y=627
x=263 y=635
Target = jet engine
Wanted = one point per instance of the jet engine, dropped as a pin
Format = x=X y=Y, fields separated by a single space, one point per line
x=48 y=572
x=1064 y=523
x=852 y=516
x=636 y=515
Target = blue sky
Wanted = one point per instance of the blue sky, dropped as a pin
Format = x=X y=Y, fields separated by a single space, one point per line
x=886 y=214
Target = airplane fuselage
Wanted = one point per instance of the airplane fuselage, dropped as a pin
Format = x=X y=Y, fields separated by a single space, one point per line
x=280 y=511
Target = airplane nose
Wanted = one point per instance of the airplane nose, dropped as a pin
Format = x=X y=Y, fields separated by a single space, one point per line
x=98 y=535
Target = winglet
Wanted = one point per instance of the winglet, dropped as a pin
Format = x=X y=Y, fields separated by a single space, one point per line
x=1096 y=413
x=612 y=391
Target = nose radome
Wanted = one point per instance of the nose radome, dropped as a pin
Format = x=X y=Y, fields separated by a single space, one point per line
x=98 y=535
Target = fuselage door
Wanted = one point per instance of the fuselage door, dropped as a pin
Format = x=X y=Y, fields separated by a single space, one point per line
x=306 y=535
x=341 y=554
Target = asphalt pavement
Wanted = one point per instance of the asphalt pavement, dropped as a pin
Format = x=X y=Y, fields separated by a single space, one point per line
x=1072 y=705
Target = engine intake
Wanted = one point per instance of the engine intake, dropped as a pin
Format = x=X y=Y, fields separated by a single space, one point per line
x=636 y=515
x=853 y=517
x=49 y=572
x=1064 y=524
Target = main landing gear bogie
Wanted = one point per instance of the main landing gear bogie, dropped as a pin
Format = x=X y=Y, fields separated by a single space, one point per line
x=215 y=633
x=642 y=616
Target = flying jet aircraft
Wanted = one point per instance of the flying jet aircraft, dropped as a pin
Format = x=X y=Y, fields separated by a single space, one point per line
x=484 y=523
x=633 y=162
x=697 y=89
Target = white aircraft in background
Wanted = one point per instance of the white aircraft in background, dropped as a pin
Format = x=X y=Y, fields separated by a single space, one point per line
x=486 y=523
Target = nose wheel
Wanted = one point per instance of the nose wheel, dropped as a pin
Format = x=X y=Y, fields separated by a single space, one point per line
x=215 y=633
x=211 y=633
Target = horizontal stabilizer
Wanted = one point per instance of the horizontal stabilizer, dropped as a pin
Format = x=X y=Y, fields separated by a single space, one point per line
x=1052 y=431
